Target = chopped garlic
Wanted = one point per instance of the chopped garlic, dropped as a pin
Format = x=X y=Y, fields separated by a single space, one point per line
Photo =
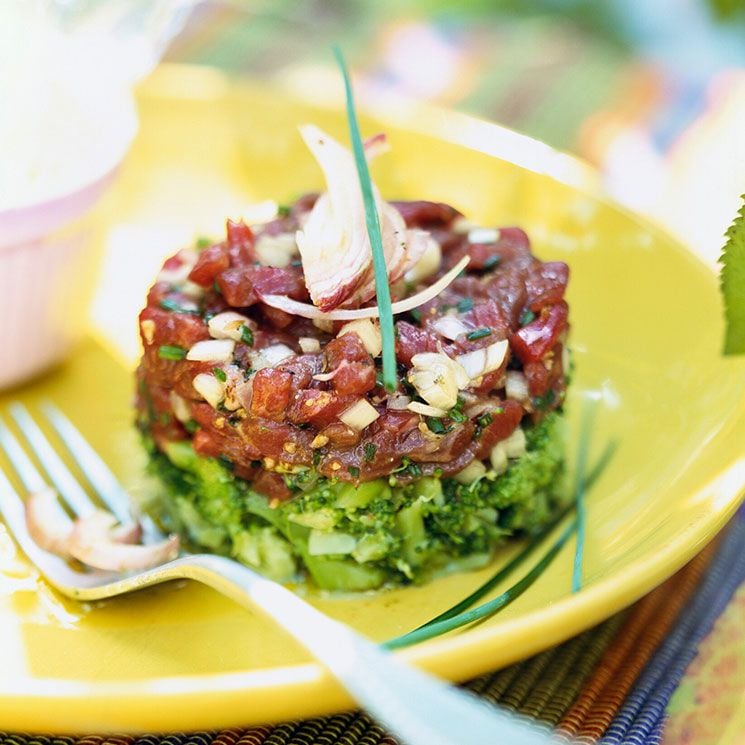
x=437 y=378
x=426 y=410
x=270 y=356
x=472 y=472
x=212 y=350
x=498 y=458
x=450 y=327
x=428 y=264
x=369 y=333
x=516 y=386
x=483 y=235
x=228 y=325
x=359 y=414
x=514 y=445
x=180 y=407
x=148 y=330
x=276 y=250
x=209 y=388
x=484 y=360
x=309 y=345
x=398 y=402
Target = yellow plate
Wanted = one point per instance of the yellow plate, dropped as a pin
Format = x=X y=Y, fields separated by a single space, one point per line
x=646 y=335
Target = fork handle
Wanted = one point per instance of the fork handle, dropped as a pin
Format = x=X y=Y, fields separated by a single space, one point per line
x=415 y=706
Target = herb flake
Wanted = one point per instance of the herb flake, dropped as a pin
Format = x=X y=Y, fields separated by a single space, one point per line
x=478 y=334
x=382 y=289
x=171 y=352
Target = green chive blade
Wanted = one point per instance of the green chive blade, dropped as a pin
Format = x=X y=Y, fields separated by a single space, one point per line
x=382 y=289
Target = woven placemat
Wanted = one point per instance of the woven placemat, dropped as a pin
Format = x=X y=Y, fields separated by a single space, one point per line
x=610 y=684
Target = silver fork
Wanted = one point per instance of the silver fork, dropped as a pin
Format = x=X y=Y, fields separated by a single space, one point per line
x=419 y=708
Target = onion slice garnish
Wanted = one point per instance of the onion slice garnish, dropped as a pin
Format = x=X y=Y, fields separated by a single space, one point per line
x=91 y=542
x=305 y=310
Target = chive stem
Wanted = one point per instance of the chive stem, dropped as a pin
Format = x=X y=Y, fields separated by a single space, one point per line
x=580 y=482
x=382 y=290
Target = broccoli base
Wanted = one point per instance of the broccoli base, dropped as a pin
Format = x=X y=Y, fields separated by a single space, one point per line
x=359 y=538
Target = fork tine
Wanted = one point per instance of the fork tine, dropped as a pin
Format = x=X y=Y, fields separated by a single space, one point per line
x=24 y=466
x=55 y=569
x=96 y=471
x=58 y=472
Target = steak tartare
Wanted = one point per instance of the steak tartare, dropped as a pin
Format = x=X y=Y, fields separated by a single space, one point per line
x=261 y=402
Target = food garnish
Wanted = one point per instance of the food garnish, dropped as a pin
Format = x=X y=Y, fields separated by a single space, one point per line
x=733 y=284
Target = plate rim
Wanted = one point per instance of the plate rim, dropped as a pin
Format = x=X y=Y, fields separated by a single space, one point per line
x=157 y=704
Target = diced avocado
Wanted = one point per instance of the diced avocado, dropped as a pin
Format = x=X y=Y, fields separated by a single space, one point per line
x=410 y=525
x=266 y=551
x=321 y=519
x=344 y=575
x=321 y=542
x=351 y=537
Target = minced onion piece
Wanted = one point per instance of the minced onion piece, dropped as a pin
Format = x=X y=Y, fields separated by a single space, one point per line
x=485 y=360
x=437 y=378
x=516 y=386
x=426 y=410
x=212 y=350
x=51 y=528
x=270 y=356
x=48 y=524
x=514 y=445
x=91 y=542
x=472 y=472
x=309 y=345
x=369 y=333
x=276 y=250
x=462 y=225
x=209 y=388
x=179 y=407
x=428 y=264
x=450 y=327
x=188 y=257
x=227 y=325
x=398 y=402
x=483 y=235
x=359 y=414
x=498 y=458
x=305 y=310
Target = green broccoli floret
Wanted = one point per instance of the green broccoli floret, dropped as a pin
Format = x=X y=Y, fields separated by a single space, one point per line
x=380 y=532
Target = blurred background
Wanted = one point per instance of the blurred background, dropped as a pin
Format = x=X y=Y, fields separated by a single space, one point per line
x=652 y=92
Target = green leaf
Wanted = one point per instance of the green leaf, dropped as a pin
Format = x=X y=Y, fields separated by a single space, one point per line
x=382 y=290
x=733 y=285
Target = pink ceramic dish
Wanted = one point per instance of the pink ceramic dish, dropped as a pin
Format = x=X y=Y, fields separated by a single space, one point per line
x=46 y=272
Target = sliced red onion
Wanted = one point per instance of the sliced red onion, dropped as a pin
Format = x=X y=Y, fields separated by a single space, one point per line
x=305 y=310
x=91 y=543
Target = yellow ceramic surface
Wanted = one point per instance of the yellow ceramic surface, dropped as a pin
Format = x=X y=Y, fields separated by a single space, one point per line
x=646 y=333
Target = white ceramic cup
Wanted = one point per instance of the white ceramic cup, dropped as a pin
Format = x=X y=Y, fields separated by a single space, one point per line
x=47 y=274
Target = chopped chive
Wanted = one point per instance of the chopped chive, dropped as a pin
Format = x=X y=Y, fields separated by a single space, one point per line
x=456 y=413
x=437 y=628
x=485 y=420
x=203 y=242
x=491 y=262
x=191 y=426
x=247 y=336
x=478 y=334
x=465 y=305
x=175 y=307
x=416 y=314
x=354 y=472
x=283 y=210
x=435 y=425
x=216 y=288
x=583 y=446
x=541 y=403
x=526 y=317
x=456 y=616
x=220 y=374
x=171 y=352
x=382 y=290
x=370 y=449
